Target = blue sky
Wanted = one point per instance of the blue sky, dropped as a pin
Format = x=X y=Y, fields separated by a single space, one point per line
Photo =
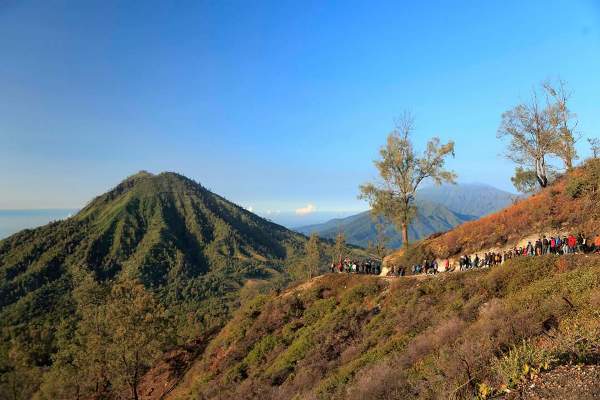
x=275 y=105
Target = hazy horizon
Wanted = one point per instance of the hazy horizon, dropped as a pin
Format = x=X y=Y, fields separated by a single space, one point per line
x=15 y=220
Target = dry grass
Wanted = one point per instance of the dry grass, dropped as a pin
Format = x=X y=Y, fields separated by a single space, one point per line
x=569 y=204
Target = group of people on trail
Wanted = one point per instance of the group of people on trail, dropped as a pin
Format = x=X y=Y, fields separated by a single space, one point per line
x=488 y=260
x=427 y=267
x=566 y=244
x=369 y=267
x=397 y=271
x=570 y=244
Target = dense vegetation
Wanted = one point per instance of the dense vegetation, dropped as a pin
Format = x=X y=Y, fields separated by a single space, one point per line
x=457 y=336
x=192 y=251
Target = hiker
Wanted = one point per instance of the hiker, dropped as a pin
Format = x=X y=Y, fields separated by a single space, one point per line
x=545 y=245
x=529 y=249
x=538 y=247
x=581 y=247
x=565 y=245
x=571 y=243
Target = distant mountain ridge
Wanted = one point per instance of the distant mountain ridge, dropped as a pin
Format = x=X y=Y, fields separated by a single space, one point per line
x=438 y=209
x=476 y=199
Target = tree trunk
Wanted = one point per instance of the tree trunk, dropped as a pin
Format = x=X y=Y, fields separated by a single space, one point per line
x=405 y=234
x=569 y=163
x=540 y=170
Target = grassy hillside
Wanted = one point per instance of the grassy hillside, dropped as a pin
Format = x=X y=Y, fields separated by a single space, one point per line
x=360 y=229
x=458 y=336
x=192 y=249
x=569 y=204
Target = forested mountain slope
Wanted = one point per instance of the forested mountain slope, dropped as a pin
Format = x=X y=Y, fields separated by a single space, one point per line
x=192 y=249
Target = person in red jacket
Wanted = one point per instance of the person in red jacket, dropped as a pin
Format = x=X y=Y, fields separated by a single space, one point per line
x=571 y=242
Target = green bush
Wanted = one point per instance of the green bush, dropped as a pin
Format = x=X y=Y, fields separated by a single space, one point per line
x=576 y=187
x=521 y=362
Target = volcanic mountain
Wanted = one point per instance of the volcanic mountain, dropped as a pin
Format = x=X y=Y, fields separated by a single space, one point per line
x=187 y=244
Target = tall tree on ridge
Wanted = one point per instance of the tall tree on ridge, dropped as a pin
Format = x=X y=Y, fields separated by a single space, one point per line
x=339 y=248
x=594 y=146
x=538 y=130
x=402 y=171
x=563 y=121
x=313 y=255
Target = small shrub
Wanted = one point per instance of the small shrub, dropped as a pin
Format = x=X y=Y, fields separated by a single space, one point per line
x=576 y=187
x=261 y=350
x=522 y=362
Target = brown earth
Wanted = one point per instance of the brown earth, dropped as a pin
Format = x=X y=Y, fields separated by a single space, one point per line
x=166 y=375
x=562 y=383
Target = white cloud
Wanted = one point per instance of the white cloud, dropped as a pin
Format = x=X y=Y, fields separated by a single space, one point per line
x=269 y=212
x=250 y=208
x=310 y=208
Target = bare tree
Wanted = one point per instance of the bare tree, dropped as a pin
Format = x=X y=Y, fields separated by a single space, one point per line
x=594 y=146
x=532 y=138
x=540 y=129
x=563 y=121
x=402 y=171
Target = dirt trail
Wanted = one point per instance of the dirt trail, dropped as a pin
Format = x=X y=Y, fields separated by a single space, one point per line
x=496 y=249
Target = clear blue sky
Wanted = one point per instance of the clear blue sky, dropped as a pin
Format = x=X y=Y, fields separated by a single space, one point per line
x=274 y=105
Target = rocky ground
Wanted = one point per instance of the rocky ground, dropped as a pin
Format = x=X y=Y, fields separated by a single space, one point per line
x=562 y=383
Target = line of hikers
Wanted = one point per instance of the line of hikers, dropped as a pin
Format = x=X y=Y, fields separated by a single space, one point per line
x=369 y=267
x=570 y=244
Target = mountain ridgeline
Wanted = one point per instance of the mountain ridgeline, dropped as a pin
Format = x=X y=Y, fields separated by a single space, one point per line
x=438 y=209
x=194 y=250
x=165 y=226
